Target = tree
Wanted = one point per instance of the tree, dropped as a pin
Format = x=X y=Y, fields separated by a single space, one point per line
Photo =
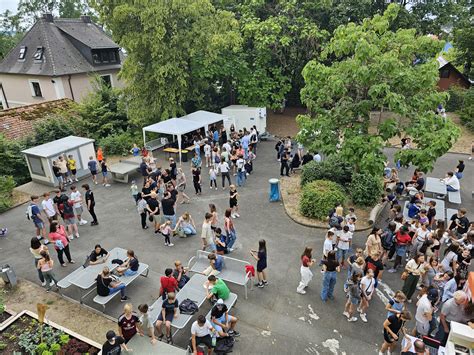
x=374 y=68
x=10 y=32
x=175 y=52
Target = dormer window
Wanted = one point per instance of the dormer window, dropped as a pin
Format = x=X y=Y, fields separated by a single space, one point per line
x=105 y=56
x=22 y=54
x=38 y=54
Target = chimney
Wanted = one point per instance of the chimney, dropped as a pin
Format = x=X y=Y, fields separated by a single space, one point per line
x=86 y=18
x=48 y=17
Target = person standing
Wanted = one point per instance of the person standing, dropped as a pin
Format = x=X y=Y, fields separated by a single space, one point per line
x=424 y=312
x=34 y=214
x=453 y=310
x=233 y=201
x=48 y=207
x=223 y=167
x=92 y=165
x=168 y=206
x=229 y=230
x=353 y=296
x=142 y=209
x=135 y=150
x=261 y=256
x=76 y=198
x=57 y=235
x=181 y=186
x=45 y=264
x=344 y=241
x=212 y=177
x=62 y=163
x=331 y=268
x=104 y=169
x=58 y=175
x=90 y=203
x=391 y=329
x=114 y=344
x=36 y=248
x=306 y=275
x=413 y=269
x=367 y=288
x=153 y=208
x=128 y=323
x=240 y=164
x=206 y=234
x=197 y=180
x=72 y=166
x=134 y=191
x=207 y=153
x=284 y=167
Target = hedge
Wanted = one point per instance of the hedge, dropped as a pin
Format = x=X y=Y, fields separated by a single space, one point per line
x=332 y=168
x=117 y=144
x=365 y=189
x=319 y=197
x=6 y=188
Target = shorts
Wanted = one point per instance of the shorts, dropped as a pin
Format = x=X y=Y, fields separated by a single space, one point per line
x=104 y=173
x=388 y=338
x=146 y=323
x=39 y=225
x=261 y=267
x=168 y=317
x=53 y=218
x=129 y=272
x=354 y=300
x=70 y=221
x=221 y=320
x=60 y=179
x=93 y=172
x=181 y=188
x=422 y=328
x=206 y=340
x=73 y=171
x=233 y=203
x=79 y=210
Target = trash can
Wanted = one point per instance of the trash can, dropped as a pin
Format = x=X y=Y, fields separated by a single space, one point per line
x=8 y=275
x=184 y=155
x=274 y=190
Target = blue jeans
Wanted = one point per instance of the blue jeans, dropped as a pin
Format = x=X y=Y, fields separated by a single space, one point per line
x=189 y=230
x=129 y=272
x=459 y=175
x=231 y=237
x=241 y=178
x=342 y=254
x=120 y=288
x=450 y=188
x=40 y=273
x=329 y=281
x=170 y=218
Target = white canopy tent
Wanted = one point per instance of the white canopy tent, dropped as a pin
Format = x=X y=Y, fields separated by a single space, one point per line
x=173 y=126
x=206 y=118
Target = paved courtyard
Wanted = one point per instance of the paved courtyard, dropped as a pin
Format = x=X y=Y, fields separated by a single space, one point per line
x=274 y=319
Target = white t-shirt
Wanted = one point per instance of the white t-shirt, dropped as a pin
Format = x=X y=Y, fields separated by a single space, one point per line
x=352 y=227
x=240 y=164
x=327 y=247
x=227 y=147
x=207 y=150
x=344 y=239
x=76 y=198
x=199 y=331
x=422 y=234
x=224 y=167
x=48 y=207
x=367 y=285
x=423 y=306
x=450 y=257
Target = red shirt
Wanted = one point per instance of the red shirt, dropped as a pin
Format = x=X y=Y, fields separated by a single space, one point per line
x=305 y=260
x=402 y=239
x=168 y=284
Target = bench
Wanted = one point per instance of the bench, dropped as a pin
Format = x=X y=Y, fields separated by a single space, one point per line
x=454 y=197
x=156 y=144
x=230 y=302
x=127 y=280
x=449 y=213
x=193 y=290
x=66 y=281
x=233 y=270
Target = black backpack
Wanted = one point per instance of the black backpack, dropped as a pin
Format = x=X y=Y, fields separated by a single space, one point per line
x=188 y=306
x=387 y=239
x=224 y=345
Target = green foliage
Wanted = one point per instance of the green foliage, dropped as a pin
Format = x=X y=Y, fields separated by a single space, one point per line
x=118 y=144
x=456 y=98
x=12 y=161
x=42 y=347
x=3 y=346
x=332 y=168
x=55 y=347
x=175 y=51
x=369 y=67
x=6 y=188
x=63 y=339
x=56 y=126
x=319 y=196
x=365 y=189
x=467 y=111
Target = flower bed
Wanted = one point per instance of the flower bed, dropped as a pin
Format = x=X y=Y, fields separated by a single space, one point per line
x=4 y=316
x=22 y=334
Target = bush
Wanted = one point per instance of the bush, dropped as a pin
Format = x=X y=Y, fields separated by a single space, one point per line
x=6 y=188
x=365 y=189
x=319 y=197
x=117 y=144
x=456 y=98
x=332 y=168
x=466 y=113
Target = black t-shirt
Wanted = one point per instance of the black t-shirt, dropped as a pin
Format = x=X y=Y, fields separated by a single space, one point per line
x=144 y=169
x=169 y=307
x=196 y=174
x=94 y=255
x=431 y=213
x=90 y=197
x=407 y=353
x=153 y=205
x=113 y=349
x=59 y=200
x=375 y=265
x=331 y=265
x=56 y=171
x=420 y=182
x=167 y=204
x=463 y=221
x=167 y=178
x=133 y=264
x=174 y=194
x=173 y=169
x=396 y=323
x=460 y=167
x=103 y=285
x=218 y=313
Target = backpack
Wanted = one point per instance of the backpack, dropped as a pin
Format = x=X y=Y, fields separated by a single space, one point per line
x=277 y=146
x=387 y=239
x=217 y=159
x=224 y=345
x=334 y=221
x=188 y=306
x=29 y=212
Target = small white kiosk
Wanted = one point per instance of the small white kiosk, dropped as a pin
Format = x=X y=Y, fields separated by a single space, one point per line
x=40 y=158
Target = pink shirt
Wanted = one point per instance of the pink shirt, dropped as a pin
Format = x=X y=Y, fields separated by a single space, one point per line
x=60 y=234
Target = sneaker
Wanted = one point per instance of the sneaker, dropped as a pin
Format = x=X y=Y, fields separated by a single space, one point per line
x=216 y=188
x=171 y=245
x=39 y=237
x=166 y=244
x=77 y=236
x=409 y=301
x=124 y=298
x=160 y=338
x=441 y=196
x=234 y=333
x=265 y=282
x=303 y=292
x=169 y=340
x=392 y=270
x=233 y=216
x=82 y=222
x=76 y=180
x=237 y=215
x=71 y=237
x=381 y=353
x=95 y=182
x=230 y=250
x=347 y=315
x=63 y=265
x=363 y=316
x=43 y=283
x=51 y=283
x=260 y=284
x=72 y=262
x=353 y=319
x=107 y=185
x=146 y=227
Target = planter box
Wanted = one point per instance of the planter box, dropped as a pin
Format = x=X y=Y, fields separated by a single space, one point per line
x=5 y=326
x=5 y=316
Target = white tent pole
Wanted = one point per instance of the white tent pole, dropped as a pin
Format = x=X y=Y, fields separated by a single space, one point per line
x=144 y=139
x=179 y=147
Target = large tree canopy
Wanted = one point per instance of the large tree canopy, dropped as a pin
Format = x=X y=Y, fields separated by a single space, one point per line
x=374 y=68
x=175 y=52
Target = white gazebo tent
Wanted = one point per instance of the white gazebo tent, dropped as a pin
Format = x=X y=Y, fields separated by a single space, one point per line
x=206 y=118
x=173 y=126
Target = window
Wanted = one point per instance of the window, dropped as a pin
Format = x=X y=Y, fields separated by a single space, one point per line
x=39 y=53
x=22 y=54
x=36 y=166
x=112 y=57
x=107 y=79
x=35 y=88
x=105 y=56
x=444 y=73
x=96 y=57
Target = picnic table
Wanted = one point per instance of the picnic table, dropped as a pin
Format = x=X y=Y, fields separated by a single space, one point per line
x=184 y=153
x=440 y=208
x=194 y=290
x=142 y=345
x=84 y=278
x=435 y=185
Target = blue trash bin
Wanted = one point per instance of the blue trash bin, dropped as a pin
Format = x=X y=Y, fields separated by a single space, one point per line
x=274 y=190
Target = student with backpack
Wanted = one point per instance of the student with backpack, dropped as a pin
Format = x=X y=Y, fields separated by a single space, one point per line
x=33 y=213
x=387 y=238
x=57 y=235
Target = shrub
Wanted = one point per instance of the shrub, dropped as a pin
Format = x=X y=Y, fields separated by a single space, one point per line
x=456 y=98
x=332 y=168
x=365 y=189
x=466 y=113
x=319 y=197
x=6 y=188
x=117 y=144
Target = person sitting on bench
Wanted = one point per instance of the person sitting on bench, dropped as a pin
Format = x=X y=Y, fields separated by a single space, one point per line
x=451 y=181
x=107 y=286
x=98 y=255
x=201 y=334
x=222 y=322
x=215 y=264
x=130 y=266
x=169 y=311
x=216 y=289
